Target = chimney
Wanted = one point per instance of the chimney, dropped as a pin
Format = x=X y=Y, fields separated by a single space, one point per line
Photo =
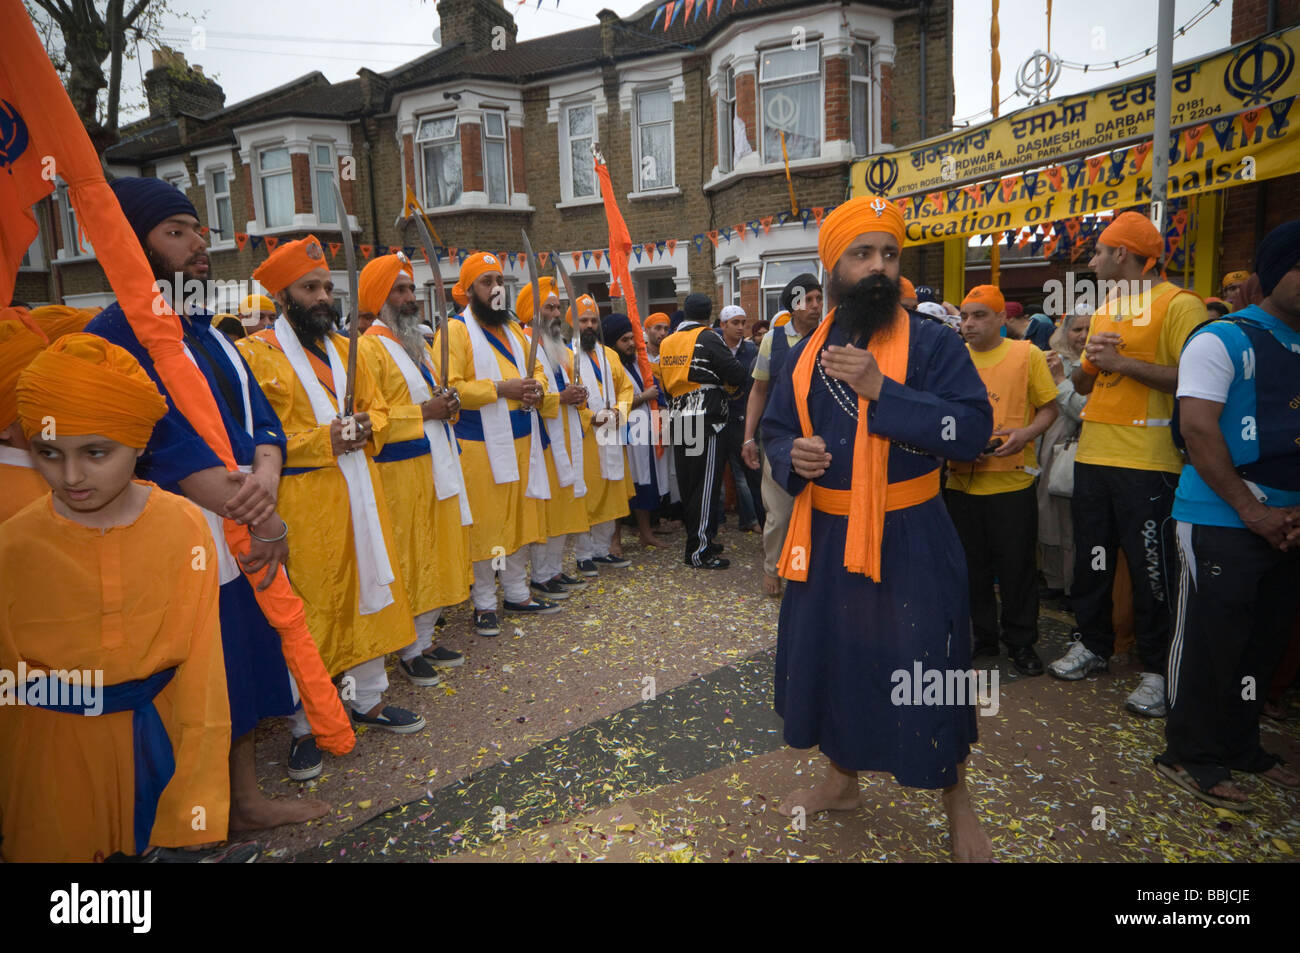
x=474 y=24
x=172 y=86
x=608 y=20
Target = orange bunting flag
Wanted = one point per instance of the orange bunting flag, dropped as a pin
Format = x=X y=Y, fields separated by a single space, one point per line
x=713 y=237
x=1050 y=248
x=1140 y=153
x=973 y=192
x=334 y=248
x=1008 y=186
x=1094 y=168
x=766 y=223
x=543 y=257
x=271 y=242
x=1023 y=240
x=1072 y=227
x=241 y=239
x=672 y=245
x=819 y=212
x=1249 y=120
x=1056 y=178
x=577 y=257
x=1180 y=221
x=1192 y=137
x=367 y=250
x=936 y=199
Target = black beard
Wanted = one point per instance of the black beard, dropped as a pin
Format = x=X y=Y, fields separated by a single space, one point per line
x=311 y=324
x=486 y=315
x=588 y=339
x=864 y=308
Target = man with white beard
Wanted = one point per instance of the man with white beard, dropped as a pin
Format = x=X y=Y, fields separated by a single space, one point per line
x=419 y=466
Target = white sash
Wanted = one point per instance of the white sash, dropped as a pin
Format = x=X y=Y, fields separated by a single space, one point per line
x=609 y=454
x=448 y=480
x=568 y=460
x=13 y=457
x=642 y=455
x=498 y=435
x=374 y=571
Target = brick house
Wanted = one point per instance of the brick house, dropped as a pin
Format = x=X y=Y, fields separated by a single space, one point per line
x=495 y=136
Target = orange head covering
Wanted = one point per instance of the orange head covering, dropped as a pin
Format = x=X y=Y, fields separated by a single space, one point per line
x=1234 y=278
x=56 y=320
x=657 y=318
x=524 y=301
x=1135 y=232
x=907 y=289
x=477 y=264
x=867 y=213
x=377 y=278
x=587 y=305
x=781 y=320
x=257 y=304
x=19 y=343
x=987 y=295
x=290 y=262
x=88 y=385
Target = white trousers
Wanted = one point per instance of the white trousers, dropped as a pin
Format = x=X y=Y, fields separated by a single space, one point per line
x=364 y=685
x=424 y=623
x=548 y=558
x=514 y=580
x=595 y=542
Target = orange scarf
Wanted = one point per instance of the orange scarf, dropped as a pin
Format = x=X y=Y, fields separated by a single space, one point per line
x=862 y=544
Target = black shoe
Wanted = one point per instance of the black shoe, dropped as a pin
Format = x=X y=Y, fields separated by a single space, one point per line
x=569 y=583
x=1025 y=659
x=420 y=671
x=615 y=562
x=711 y=563
x=588 y=567
x=532 y=607
x=982 y=649
x=486 y=624
x=714 y=549
x=442 y=621
x=550 y=590
x=304 y=759
x=391 y=718
x=440 y=657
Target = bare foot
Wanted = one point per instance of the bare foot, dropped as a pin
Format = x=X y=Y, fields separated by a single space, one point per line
x=649 y=542
x=827 y=796
x=668 y=528
x=272 y=812
x=1282 y=775
x=970 y=845
x=1229 y=791
x=771 y=585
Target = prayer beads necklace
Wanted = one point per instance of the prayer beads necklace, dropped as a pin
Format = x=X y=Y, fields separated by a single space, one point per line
x=848 y=405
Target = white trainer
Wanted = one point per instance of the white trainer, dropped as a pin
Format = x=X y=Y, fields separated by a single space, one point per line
x=1077 y=663
x=1149 y=697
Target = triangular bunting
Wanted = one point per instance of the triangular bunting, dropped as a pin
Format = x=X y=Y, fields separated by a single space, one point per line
x=671 y=244
x=256 y=240
x=767 y=224
x=713 y=237
x=241 y=239
x=366 y=250
x=1249 y=120
x=740 y=230
x=271 y=242
x=544 y=257
x=1094 y=168
x=596 y=254
x=586 y=258
x=1140 y=152
x=818 y=212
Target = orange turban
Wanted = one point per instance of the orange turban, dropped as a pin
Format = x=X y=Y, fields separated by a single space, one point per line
x=587 y=305
x=89 y=386
x=1136 y=233
x=18 y=345
x=56 y=320
x=524 y=301
x=290 y=262
x=1234 y=278
x=987 y=295
x=257 y=304
x=781 y=319
x=907 y=289
x=477 y=264
x=867 y=213
x=377 y=278
x=657 y=318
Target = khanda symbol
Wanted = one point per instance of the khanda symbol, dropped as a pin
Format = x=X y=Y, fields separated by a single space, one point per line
x=878 y=205
x=881 y=175
x=13 y=135
x=1256 y=72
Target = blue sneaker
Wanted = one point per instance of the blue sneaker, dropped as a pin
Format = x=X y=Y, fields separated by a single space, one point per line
x=397 y=720
x=588 y=567
x=304 y=759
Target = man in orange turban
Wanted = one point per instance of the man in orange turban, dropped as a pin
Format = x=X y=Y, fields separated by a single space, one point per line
x=857 y=425
x=255 y=313
x=1232 y=287
x=376 y=282
x=1127 y=466
x=500 y=434
x=656 y=327
x=128 y=775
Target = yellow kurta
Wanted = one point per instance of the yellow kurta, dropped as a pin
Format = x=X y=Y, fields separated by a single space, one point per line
x=564 y=512
x=606 y=499
x=129 y=601
x=19 y=485
x=432 y=546
x=322 y=564
x=504 y=518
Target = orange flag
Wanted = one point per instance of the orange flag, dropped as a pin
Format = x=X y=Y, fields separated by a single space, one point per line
x=37 y=120
x=271 y=242
x=1140 y=153
x=672 y=245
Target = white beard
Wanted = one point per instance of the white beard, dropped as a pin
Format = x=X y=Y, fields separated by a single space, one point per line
x=407 y=329
x=552 y=342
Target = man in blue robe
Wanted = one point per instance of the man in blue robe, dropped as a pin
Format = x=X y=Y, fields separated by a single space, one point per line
x=180 y=461
x=859 y=421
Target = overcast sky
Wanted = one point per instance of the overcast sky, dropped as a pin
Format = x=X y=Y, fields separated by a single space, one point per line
x=253 y=45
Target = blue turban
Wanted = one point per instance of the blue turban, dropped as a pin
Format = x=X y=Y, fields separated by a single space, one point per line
x=677 y=318
x=1277 y=254
x=148 y=202
x=698 y=307
x=614 y=327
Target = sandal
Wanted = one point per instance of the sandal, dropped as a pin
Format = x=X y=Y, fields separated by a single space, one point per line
x=1274 y=781
x=1180 y=777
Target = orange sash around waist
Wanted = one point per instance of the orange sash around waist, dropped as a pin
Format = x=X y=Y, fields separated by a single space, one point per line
x=898 y=496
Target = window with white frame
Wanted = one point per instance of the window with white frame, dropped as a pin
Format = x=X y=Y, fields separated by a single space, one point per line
x=726 y=118
x=790 y=101
x=654 y=139
x=275 y=175
x=74 y=243
x=580 y=133
x=322 y=182
x=439 y=148
x=496 y=168
x=735 y=285
x=860 y=98
x=220 y=219
x=777 y=273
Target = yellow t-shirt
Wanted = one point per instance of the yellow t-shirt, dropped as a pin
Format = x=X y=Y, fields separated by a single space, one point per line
x=1144 y=448
x=1042 y=390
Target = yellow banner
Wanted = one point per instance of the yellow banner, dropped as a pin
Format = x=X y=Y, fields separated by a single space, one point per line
x=1083 y=154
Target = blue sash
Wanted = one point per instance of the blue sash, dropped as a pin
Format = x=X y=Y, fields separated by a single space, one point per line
x=403 y=450
x=155 y=762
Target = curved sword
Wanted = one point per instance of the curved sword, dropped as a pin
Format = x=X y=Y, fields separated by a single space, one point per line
x=354 y=325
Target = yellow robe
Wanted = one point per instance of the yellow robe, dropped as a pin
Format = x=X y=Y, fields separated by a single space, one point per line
x=19 y=485
x=322 y=564
x=432 y=546
x=504 y=518
x=129 y=601
x=606 y=499
x=564 y=512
